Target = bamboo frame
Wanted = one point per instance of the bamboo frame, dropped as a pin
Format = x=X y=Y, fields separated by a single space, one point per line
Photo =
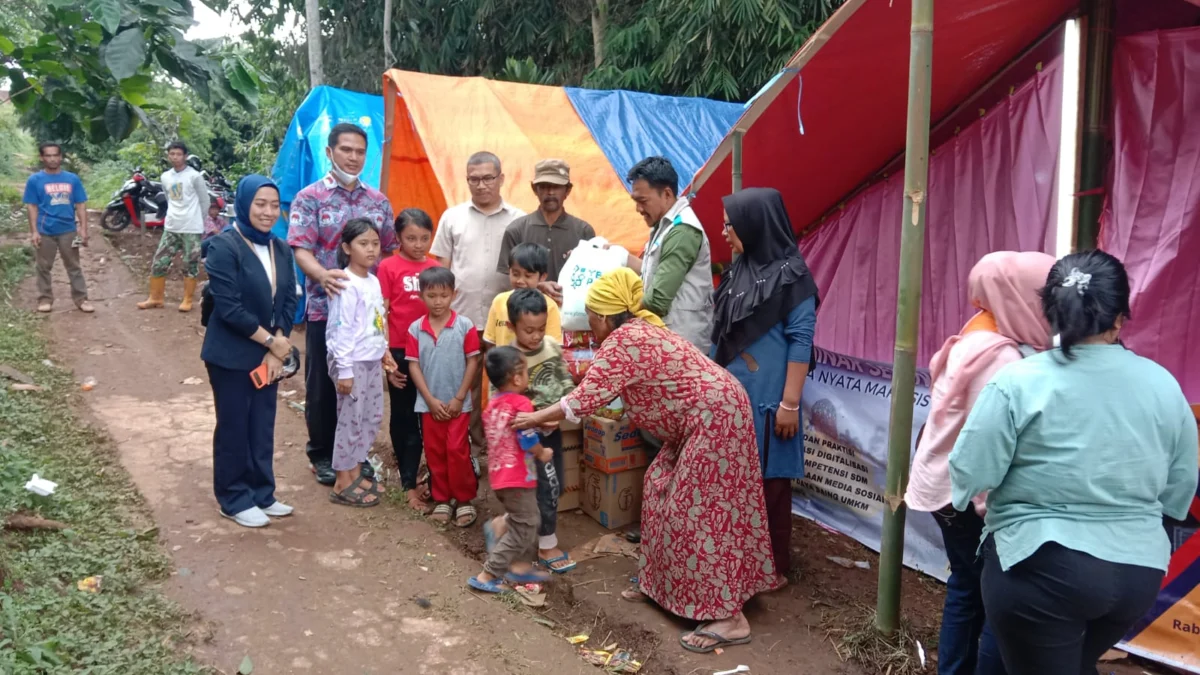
x=908 y=306
x=1093 y=139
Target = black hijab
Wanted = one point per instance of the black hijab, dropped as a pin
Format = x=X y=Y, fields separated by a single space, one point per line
x=766 y=282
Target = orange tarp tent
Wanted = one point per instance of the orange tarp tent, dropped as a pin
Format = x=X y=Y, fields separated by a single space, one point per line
x=437 y=122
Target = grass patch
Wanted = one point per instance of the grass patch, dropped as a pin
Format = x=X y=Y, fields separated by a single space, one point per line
x=855 y=638
x=47 y=625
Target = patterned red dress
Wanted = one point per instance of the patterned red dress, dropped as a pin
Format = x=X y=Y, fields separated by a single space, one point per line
x=705 y=545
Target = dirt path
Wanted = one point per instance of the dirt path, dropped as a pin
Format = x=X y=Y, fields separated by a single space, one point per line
x=326 y=591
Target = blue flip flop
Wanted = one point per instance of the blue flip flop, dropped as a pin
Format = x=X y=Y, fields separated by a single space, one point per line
x=528 y=578
x=494 y=586
x=549 y=564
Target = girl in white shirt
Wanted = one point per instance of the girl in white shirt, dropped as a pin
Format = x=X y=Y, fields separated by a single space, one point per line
x=358 y=356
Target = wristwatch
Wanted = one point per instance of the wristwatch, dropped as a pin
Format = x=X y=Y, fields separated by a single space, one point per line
x=267 y=343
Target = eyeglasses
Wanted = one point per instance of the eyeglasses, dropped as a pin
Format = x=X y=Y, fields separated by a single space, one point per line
x=476 y=181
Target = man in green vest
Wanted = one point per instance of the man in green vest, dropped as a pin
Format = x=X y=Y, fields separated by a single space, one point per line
x=676 y=265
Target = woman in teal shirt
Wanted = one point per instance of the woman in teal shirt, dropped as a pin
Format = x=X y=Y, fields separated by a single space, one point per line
x=1084 y=448
x=764 y=317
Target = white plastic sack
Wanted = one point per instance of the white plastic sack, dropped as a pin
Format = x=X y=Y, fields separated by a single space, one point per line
x=586 y=263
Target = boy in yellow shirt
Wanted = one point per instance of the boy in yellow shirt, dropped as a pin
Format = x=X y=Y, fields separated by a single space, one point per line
x=528 y=265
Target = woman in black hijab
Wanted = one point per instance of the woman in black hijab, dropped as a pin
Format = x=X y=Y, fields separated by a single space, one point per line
x=766 y=314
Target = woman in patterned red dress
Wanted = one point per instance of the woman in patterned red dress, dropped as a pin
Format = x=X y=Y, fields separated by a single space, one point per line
x=705 y=544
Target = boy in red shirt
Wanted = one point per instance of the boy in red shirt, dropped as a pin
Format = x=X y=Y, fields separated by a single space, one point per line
x=398 y=279
x=513 y=476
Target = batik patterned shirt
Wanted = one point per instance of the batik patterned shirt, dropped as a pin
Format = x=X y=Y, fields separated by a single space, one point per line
x=318 y=214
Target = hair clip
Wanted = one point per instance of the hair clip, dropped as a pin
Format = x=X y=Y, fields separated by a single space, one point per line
x=1077 y=279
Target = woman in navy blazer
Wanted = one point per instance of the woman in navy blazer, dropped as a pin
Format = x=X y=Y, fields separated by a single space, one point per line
x=252 y=282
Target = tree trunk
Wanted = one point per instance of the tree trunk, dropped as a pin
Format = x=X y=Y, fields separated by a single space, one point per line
x=389 y=59
x=312 y=18
x=599 y=26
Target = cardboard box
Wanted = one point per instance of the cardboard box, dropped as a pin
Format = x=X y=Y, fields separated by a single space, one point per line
x=571 y=480
x=612 y=446
x=612 y=499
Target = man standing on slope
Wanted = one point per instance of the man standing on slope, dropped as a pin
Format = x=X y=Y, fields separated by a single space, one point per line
x=468 y=241
x=676 y=266
x=187 y=202
x=319 y=212
x=550 y=225
x=57 y=206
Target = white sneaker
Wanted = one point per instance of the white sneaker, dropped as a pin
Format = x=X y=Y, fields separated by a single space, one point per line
x=278 y=510
x=251 y=517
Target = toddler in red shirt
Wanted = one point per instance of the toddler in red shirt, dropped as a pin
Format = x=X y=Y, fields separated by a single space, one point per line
x=512 y=538
x=398 y=279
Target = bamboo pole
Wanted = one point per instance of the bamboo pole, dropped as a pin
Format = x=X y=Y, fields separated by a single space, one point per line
x=737 y=159
x=1092 y=164
x=908 y=305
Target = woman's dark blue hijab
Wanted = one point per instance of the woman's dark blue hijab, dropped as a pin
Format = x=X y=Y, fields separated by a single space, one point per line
x=246 y=189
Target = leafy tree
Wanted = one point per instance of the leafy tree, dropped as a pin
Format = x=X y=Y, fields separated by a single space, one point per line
x=722 y=49
x=85 y=70
x=714 y=48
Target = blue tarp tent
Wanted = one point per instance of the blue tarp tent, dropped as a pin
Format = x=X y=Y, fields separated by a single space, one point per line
x=302 y=160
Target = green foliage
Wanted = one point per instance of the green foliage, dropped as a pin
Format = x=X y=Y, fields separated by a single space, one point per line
x=47 y=625
x=713 y=48
x=102 y=179
x=86 y=72
x=18 y=153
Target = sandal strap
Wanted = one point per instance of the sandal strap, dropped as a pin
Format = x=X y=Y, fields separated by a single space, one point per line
x=443 y=509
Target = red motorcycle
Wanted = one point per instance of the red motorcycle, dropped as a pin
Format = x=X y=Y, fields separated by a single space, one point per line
x=140 y=201
x=143 y=203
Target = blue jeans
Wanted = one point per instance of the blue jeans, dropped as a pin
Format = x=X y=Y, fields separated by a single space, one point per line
x=966 y=645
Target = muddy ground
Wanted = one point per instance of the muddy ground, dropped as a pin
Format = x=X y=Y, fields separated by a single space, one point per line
x=333 y=590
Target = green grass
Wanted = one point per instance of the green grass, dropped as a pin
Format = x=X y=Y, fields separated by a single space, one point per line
x=47 y=625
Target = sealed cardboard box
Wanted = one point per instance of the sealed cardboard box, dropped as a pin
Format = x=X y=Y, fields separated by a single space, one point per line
x=571 y=481
x=612 y=499
x=612 y=446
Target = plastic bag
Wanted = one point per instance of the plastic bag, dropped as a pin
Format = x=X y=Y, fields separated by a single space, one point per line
x=586 y=263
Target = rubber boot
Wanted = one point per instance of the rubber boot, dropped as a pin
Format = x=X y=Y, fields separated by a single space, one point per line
x=158 y=287
x=189 y=289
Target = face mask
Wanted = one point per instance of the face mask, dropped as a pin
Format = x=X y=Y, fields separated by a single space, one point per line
x=343 y=177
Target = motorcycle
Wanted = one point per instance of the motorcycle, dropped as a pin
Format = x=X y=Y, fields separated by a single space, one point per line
x=139 y=201
x=142 y=202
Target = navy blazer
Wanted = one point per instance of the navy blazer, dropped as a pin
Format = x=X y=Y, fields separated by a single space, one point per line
x=242 y=301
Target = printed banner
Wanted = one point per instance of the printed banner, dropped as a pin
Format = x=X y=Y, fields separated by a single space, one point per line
x=846 y=407
x=1170 y=632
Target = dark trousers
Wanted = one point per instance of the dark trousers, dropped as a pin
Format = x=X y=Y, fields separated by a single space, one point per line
x=405 y=426
x=966 y=644
x=549 y=484
x=243 y=441
x=778 y=495
x=320 y=396
x=1059 y=610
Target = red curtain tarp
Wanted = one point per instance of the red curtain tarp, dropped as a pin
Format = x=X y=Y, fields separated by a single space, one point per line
x=1153 y=219
x=851 y=92
x=992 y=187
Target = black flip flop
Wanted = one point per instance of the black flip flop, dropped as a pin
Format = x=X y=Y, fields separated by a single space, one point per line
x=720 y=641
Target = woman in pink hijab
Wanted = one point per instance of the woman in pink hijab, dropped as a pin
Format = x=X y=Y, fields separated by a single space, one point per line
x=1004 y=287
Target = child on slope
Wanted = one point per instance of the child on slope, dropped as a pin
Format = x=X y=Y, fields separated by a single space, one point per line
x=511 y=460
x=528 y=265
x=399 y=278
x=549 y=381
x=442 y=351
x=357 y=338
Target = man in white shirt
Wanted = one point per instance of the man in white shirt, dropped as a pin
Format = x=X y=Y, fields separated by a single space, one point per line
x=468 y=241
x=187 y=202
